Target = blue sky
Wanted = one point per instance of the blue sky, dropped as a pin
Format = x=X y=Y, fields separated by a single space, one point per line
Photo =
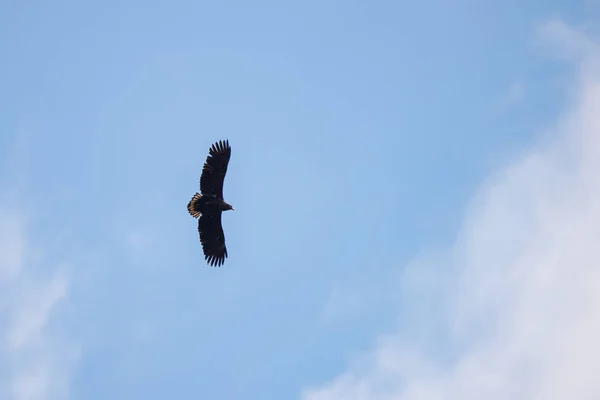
x=360 y=132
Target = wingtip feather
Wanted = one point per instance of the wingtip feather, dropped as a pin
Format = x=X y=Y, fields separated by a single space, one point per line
x=219 y=147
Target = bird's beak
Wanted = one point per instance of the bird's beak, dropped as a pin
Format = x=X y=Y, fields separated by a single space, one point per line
x=233 y=208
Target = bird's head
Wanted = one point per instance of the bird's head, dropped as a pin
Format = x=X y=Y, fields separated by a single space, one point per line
x=228 y=206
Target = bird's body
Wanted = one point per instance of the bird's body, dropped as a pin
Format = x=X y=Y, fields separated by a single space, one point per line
x=208 y=205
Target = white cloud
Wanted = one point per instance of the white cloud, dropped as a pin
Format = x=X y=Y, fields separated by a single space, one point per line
x=523 y=307
x=35 y=363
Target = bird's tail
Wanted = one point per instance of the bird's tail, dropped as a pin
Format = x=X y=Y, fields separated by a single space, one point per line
x=193 y=206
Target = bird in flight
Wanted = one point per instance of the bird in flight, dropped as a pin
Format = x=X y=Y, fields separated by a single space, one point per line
x=208 y=205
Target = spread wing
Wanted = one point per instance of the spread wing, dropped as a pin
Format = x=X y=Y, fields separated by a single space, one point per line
x=212 y=238
x=215 y=168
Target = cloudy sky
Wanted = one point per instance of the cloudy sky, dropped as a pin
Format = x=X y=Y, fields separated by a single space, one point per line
x=416 y=192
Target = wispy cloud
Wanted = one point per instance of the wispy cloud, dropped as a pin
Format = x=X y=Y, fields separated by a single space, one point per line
x=35 y=361
x=522 y=308
x=514 y=96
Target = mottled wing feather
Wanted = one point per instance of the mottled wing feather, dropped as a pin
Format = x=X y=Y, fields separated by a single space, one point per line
x=193 y=207
x=212 y=239
x=215 y=168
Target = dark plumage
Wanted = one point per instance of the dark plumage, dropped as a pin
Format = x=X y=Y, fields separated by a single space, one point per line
x=209 y=204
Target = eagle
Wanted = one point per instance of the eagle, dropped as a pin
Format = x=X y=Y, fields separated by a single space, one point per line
x=208 y=205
